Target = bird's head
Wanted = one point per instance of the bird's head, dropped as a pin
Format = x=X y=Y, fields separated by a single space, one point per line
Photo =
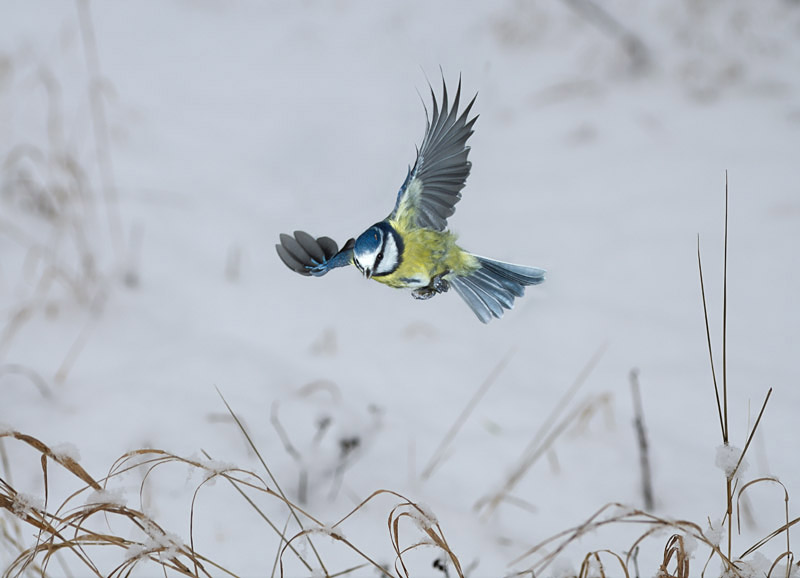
x=378 y=250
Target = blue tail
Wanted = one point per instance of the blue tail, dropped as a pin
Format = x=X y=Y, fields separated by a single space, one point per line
x=492 y=288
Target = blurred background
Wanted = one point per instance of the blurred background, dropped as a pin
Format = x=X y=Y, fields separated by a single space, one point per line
x=152 y=152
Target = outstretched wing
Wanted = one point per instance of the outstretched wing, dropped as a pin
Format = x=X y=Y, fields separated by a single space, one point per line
x=433 y=186
x=309 y=256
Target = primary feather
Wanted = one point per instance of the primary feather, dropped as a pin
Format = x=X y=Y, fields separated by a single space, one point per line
x=309 y=256
x=433 y=186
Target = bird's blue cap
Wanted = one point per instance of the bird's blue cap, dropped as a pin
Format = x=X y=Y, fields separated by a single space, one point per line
x=370 y=240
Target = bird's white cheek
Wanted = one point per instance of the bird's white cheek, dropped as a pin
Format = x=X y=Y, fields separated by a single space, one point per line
x=391 y=257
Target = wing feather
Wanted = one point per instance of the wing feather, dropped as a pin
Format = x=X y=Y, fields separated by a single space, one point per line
x=433 y=186
x=310 y=245
x=309 y=256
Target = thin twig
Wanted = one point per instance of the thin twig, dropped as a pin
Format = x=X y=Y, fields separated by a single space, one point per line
x=271 y=477
x=752 y=433
x=708 y=339
x=725 y=318
x=725 y=365
x=604 y=21
x=100 y=125
x=436 y=458
x=641 y=435
x=281 y=535
x=34 y=377
x=545 y=435
x=82 y=338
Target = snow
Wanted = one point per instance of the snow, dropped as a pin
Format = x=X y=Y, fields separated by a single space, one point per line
x=166 y=545
x=116 y=496
x=66 y=450
x=214 y=468
x=689 y=544
x=423 y=516
x=331 y=531
x=232 y=122
x=715 y=531
x=24 y=504
x=729 y=459
x=758 y=565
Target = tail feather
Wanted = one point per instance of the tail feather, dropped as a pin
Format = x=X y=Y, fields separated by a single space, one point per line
x=492 y=288
x=471 y=297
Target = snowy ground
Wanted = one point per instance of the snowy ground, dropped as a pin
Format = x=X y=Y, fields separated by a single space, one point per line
x=231 y=122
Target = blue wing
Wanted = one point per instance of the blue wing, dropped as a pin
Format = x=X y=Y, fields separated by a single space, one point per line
x=309 y=256
x=433 y=186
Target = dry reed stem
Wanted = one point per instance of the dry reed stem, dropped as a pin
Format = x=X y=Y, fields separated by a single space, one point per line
x=652 y=523
x=292 y=507
x=641 y=437
x=438 y=454
x=67 y=462
x=789 y=561
x=586 y=565
x=100 y=126
x=131 y=461
x=305 y=391
x=67 y=530
x=259 y=511
x=431 y=529
x=51 y=183
x=544 y=437
x=31 y=374
x=280 y=547
x=405 y=509
x=534 y=452
x=675 y=548
x=93 y=316
x=338 y=537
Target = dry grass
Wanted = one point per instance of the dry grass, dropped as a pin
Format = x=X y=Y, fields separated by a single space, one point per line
x=72 y=531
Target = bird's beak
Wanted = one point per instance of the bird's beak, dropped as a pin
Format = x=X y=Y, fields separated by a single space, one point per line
x=367 y=273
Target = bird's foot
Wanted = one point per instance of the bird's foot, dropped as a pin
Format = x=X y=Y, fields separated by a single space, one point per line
x=437 y=285
x=423 y=293
x=440 y=284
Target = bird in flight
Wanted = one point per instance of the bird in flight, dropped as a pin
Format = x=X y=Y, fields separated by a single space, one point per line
x=412 y=247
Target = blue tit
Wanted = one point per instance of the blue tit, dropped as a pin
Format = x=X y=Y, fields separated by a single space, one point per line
x=412 y=248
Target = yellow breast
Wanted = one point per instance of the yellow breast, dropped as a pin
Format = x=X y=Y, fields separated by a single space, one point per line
x=426 y=254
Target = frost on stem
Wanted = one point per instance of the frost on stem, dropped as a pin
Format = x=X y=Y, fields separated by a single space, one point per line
x=728 y=457
x=214 y=468
x=423 y=516
x=331 y=531
x=26 y=503
x=166 y=544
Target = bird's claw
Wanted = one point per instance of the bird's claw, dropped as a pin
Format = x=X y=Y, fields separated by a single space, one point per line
x=440 y=284
x=437 y=285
